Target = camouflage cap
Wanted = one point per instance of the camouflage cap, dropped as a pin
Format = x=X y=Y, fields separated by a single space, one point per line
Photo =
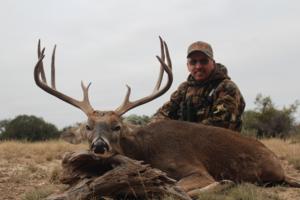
x=201 y=46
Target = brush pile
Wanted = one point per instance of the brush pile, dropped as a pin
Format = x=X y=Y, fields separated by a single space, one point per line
x=117 y=177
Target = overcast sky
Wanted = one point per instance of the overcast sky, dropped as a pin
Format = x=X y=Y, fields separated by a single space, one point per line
x=113 y=43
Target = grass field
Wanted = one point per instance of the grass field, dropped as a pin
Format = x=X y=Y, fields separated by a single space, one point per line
x=30 y=171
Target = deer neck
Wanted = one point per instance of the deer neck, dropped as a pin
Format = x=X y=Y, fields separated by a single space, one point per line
x=129 y=145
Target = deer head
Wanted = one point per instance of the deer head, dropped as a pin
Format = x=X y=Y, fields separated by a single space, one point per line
x=104 y=128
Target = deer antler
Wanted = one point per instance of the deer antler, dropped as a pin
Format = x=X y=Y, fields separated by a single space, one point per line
x=40 y=80
x=128 y=105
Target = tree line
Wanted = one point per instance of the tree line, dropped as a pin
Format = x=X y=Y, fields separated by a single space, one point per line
x=27 y=127
x=265 y=120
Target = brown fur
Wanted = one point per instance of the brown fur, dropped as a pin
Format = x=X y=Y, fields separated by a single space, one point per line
x=182 y=148
x=197 y=156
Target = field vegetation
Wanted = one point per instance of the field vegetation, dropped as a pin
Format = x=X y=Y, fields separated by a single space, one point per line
x=31 y=171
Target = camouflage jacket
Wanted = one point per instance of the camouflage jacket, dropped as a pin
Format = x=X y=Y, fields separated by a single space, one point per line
x=216 y=102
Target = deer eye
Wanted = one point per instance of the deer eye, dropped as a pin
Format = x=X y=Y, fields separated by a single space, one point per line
x=88 y=128
x=116 y=128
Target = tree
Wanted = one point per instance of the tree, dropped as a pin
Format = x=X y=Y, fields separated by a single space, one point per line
x=30 y=128
x=269 y=121
x=3 y=124
x=138 y=120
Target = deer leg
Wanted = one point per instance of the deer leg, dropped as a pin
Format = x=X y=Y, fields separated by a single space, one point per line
x=198 y=183
x=217 y=186
x=195 y=181
x=292 y=182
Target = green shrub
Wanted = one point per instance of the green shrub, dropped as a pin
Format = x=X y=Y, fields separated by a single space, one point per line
x=30 y=128
x=267 y=120
x=137 y=120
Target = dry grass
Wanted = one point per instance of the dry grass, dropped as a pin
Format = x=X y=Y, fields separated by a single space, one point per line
x=244 y=191
x=30 y=171
x=39 y=193
x=39 y=152
x=286 y=150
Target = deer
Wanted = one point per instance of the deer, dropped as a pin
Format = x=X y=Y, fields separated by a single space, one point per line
x=198 y=157
x=74 y=134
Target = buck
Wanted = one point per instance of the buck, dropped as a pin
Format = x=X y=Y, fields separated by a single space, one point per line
x=199 y=157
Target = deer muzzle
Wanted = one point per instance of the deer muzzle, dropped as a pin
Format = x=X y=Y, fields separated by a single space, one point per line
x=100 y=146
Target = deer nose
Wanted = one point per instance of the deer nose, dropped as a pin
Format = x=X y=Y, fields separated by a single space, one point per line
x=99 y=146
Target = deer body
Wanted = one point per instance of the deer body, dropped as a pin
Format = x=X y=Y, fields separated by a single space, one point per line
x=182 y=149
x=200 y=157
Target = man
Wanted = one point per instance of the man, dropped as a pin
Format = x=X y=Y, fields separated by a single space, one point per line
x=208 y=96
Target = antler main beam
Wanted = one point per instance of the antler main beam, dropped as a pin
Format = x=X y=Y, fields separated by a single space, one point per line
x=128 y=105
x=40 y=80
x=84 y=105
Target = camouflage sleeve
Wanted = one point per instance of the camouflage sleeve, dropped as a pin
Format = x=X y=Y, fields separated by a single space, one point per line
x=228 y=106
x=170 y=108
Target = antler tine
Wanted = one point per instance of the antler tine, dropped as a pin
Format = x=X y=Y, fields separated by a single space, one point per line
x=85 y=90
x=127 y=104
x=40 y=53
x=84 y=105
x=53 y=68
x=161 y=72
x=126 y=101
x=168 y=56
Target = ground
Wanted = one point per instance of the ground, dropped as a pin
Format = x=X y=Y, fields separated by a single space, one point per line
x=288 y=152
x=30 y=171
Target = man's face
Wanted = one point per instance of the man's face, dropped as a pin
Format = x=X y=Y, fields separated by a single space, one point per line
x=200 y=66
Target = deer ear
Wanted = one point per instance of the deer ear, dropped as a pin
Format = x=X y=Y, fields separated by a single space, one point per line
x=68 y=136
